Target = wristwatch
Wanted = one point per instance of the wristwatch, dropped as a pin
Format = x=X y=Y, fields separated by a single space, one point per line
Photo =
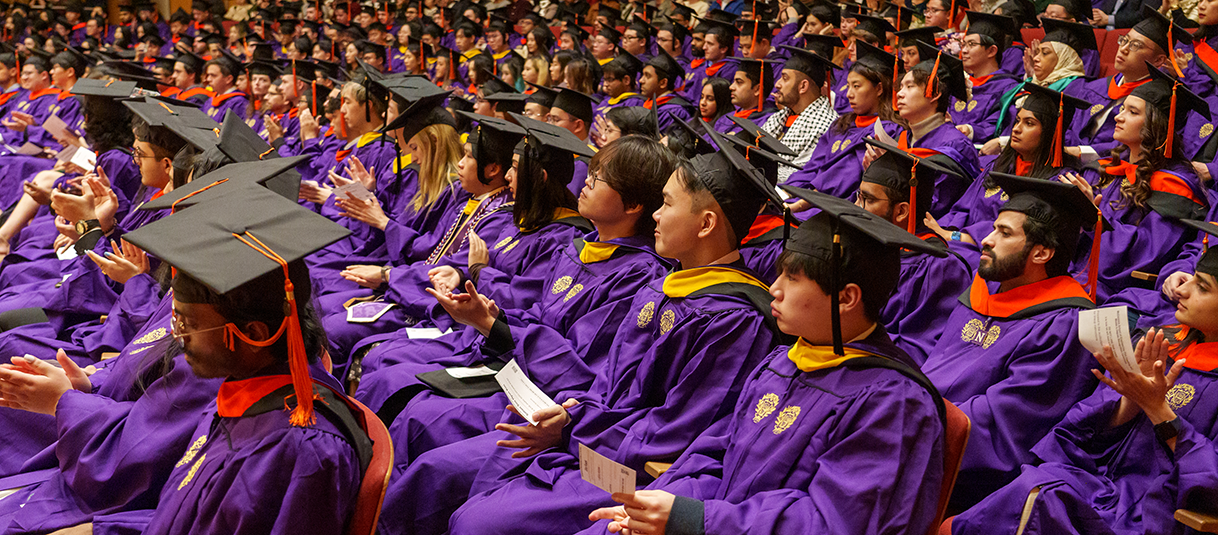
x=86 y=225
x=1169 y=429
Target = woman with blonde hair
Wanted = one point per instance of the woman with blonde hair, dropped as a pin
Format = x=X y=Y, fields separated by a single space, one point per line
x=536 y=72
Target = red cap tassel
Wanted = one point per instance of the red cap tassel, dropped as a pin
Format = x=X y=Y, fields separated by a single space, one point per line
x=913 y=198
x=761 y=76
x=295 y=91
x=934 y=75
x=1056 y=149
x=896 y=76
x=314 y=86
x=1094 y=264
x=1171 y=53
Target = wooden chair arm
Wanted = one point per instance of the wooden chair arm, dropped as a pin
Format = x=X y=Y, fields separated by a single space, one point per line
x=109 y=355
x=1142 y=275
x=1203 y=522
x=655 y=469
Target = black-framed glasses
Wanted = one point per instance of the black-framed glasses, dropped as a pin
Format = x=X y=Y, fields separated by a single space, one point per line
x=593 y=178
x=862 y=198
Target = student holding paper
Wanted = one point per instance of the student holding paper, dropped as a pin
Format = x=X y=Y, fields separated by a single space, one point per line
x=675 y=366
x=1142 y=446
x=837 y=433
x=1009 y=355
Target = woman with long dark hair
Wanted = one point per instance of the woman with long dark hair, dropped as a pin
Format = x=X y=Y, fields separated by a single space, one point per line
x=836 y=166
x=1146 y=186
x=1035 y=150
x=716 y=99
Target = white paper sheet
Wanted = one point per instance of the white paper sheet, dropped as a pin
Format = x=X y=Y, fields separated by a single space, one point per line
x=1108 y=326
x=28 y=149
x=353 y=189
x=521 y=392
x=881 y=135
x=466 y=373
x=56 y=127
x=425 y=333
x=604 y=472
x=67 y=253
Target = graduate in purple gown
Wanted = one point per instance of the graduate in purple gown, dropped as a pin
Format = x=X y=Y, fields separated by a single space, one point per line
x=34 y=107
x=1036 y=150
x=265 y=456
x=1147 y=41
x=719 y=47
x=837 y=162
x=555 y=339
x=657 y=84
x=682 y=336
x=751 y=87
x=923 y=101
x=619 y=85
x=1124 y=459
x=871 y=30
x=806 y=112
x=980 y=53
x=857 y=429
x=929 y=285
x=220 y=74
x=1146 y=189
x=1009 y=356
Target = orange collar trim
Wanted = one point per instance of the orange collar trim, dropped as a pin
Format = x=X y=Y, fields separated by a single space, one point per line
x=1022 y=168
x=1160 y=181
x=1123 y=90
x=236 y=397
x=713 y=69
x=762 y=225
x=217 y=100
x=44 y=92
x=697 y=63
x=1201 y=356
x=195 y=91
x=1008 y=303
x=863 y=121
x=979 y=81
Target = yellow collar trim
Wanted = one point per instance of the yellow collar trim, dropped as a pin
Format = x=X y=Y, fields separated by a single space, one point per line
x=564 y=213
x=613 y=101
x=402 y=162
x=604 y=61
x=367 y=138
x=596 y=251
x=469 y=55
x=502 y=55
x=472 y=205
x=687 y=281
x=810 y=358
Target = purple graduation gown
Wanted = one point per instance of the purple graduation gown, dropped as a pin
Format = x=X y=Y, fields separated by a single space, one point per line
x=926 y=292
x=678 y=364
x=981 y=112
x=257 y=473
x=761 y=247
x=1097 y=479
x=835 y=449
x=1012 y=362
x=629 y=98
x=672 y=106
x=234 y=101
x=724 y=124
x=557 y=341
x=724 y=68
x=377 y=153
x=948 y=141
x=1095 y=127
x=1143 y=239
x=836 y=166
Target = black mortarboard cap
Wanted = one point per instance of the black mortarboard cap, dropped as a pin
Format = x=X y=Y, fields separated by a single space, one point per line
x=762 y=159
x=201 y=243
x=812 y=65
x=1047 y=102
x=683 y=10
x=876 y=26
x=100 y=88
x=557 y=144
x=848 y=239
x=1164 y=92
x=1080 y=37
x=823 y=45
x=737 y=185
x=610 y=33
x=240 y=142
x=911 y=37
x=902 y=16
x=761 y=138
x=641 y=28
x=508 y=102
x=577 y=32
x=264 y=68
x=876 y=59
x=494 y=85
x=950 y=72
x=267 y=173
x=903 y=171
x=575 y=103
x=1060 y=205
x=720 y=15
x=1160 y=30
x=667 y=67
x=190 y=59
x=421 y=113
x=700 y=144
x=1208 y=262
x=1025 y=12
x=727 y=27
x=500 y=134
x=629 y=63
x=543 y=95
x=996 y=27
x=156 y=112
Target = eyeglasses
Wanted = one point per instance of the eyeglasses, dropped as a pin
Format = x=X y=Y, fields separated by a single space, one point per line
x=1133 y=45
x=929 y=9
x=136 y=156
x=861 y=199
x=593 y=178
x=971 y=43
x=179 y=331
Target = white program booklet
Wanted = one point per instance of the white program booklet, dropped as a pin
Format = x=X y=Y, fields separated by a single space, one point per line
x=609 y=475
x=521 y=392
x=1108 y=326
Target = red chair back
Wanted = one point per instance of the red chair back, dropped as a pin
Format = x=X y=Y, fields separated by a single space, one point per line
x=1108 y=51
x=957 y=431
x=376 y=477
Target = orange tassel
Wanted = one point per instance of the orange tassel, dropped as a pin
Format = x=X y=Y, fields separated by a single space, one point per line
x=173 y=208
x=934 y=77
x=913 y=198
x=298 y=360
x=896 y=61
x=1094 y=264
x=1171 y=120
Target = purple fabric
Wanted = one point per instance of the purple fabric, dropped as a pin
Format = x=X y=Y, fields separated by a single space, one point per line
x=216 y=108
x=981 y=112
x=949 y=142
x=926 y=292
x=836 y=166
